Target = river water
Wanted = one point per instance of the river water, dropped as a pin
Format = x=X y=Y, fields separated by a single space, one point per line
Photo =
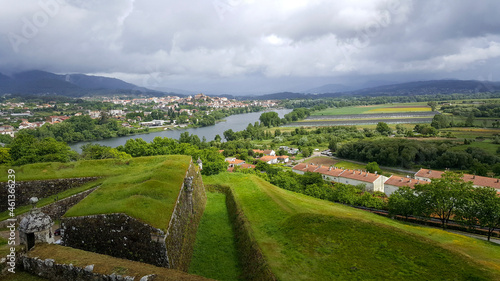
x=235 y=122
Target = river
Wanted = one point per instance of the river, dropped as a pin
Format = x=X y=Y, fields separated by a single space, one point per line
x=236 y=122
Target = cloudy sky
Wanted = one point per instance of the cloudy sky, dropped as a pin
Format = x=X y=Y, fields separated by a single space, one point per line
x=253 y=46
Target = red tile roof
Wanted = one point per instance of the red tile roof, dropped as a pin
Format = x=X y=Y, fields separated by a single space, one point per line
x=402 y=181
x=360 y=176
x=235 y=161
x=267 y=158
x=482 y=181
x=247 y=166
x=431 y=174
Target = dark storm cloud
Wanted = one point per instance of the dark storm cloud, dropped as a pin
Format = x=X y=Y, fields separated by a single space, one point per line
x=234 y=44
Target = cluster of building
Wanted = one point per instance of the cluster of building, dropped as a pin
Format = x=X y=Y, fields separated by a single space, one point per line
x=196 y=100
x=388 y=185
x=268 y=155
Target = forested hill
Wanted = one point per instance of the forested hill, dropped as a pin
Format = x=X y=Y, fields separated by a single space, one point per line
x=73 y=85
x=432 y=87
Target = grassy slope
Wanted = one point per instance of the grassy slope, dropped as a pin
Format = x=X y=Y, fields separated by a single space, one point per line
x=84 y=168
x=309 y=239
x=51 y=199
x=107 y=264
x=148 y=192
x=21 y=276
x=215 y=253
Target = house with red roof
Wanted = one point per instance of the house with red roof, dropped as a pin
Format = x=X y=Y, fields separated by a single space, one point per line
x=372 y=181
x=394 y=183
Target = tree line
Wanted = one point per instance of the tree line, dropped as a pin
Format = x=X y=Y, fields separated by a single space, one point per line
x=409 y=153
x=449 y=197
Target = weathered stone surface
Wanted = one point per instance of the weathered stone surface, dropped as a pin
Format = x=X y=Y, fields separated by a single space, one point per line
x=181 y=233
x=56 y=209
x=117 y=235
x=122 y=236
x=39 y=188
x=61 y=272
x=35 y=221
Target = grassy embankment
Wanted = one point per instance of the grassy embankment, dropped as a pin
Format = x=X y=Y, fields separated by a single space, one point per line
x=303 y=238
x=106 y=264
x=85 y=168
x=148 y=194
x=215 y=254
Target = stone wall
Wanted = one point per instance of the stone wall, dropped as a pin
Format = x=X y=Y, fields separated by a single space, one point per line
x=181 y=233
x=51 y=270
x=56 y=209
x=39 y=188
x=117 y=235
x=121 y=236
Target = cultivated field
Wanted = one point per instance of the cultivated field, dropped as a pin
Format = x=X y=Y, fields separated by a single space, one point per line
x=385 y=108
x=411 y=113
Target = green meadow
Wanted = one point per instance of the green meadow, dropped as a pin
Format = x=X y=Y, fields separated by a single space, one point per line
x=303 y=238
x=148 y=194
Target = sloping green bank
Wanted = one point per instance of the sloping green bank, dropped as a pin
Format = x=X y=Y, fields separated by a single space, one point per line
x=302 y=238
x=215 y=254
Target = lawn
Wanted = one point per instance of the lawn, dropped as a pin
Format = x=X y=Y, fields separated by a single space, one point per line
x=147 y=193
x=215 y=254
x=303 y=238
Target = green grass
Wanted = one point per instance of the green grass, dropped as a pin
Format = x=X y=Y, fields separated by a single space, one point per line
x=486 y=145
x=83 y=168
x=303 y=238
x=48 y=200
x=104 y=264
x=147 y=193
x=215 y=254
x=472 y=133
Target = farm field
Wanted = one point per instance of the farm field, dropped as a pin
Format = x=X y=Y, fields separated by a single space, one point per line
x=303 y=238
x=414 y=113
x=355 y=122
x=385 y=108
x=472 y=133
x=486 y=145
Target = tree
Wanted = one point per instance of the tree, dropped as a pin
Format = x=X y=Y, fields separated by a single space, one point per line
x=383 y=128
x=270 y=119
x=5 y=156
x=213 y=162
x=229 y=135
x=482 y=207
x=332 y=145
x=442 y=196
x=373 y=167
x=433 y=105
x=403 y=202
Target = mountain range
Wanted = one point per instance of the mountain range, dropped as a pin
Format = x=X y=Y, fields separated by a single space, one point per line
x=72 y=85
x=77 y=85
